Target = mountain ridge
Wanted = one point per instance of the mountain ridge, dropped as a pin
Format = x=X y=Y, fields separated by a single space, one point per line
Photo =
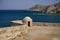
x=54 y=8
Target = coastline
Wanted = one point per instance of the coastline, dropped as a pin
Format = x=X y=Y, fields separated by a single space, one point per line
x=46 y=24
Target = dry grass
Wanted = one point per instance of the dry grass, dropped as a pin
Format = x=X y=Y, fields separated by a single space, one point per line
x=43 y=33
x=10 y=33
x=36 y=32
x=46 y=24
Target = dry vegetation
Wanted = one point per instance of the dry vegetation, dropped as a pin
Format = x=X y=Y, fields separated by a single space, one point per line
x=46 y=24
x=23 y=32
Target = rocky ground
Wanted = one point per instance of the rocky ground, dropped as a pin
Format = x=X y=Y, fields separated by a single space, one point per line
x=32 y=33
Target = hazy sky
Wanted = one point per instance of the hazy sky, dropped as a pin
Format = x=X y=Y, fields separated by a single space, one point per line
x=23 y=4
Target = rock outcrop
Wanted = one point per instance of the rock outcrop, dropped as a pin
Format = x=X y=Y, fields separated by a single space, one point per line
x=38 y=7
x=54 y=8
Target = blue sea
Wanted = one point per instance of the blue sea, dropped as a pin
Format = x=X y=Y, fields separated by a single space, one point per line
x=6 y=16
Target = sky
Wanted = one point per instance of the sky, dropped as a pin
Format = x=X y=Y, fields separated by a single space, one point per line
x=23 y=4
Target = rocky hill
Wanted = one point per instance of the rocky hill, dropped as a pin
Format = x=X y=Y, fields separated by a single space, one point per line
x=54 y=8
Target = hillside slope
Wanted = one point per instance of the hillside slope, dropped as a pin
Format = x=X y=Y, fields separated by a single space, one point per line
x=54 y=8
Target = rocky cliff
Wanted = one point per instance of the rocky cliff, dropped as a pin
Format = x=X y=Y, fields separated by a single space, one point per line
x=54 y=8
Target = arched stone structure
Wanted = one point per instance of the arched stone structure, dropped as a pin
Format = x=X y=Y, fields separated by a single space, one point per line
x=28 y=21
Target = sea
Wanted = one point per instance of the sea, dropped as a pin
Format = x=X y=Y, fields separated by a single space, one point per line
x=6 y=16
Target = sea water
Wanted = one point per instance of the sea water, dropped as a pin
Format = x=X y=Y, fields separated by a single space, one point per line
x=6 y=16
